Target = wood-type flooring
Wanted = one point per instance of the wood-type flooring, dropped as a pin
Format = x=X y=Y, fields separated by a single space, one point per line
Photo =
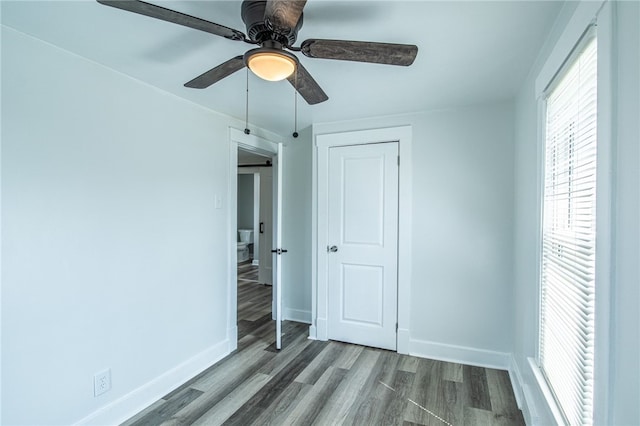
x=328 y=383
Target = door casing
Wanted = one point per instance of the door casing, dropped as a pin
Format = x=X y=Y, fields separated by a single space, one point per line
x=238 y=138
x=322 y=144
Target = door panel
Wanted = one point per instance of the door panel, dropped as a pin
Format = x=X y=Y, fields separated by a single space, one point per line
x=363 y=227
x=356 y=281
x=362 y=199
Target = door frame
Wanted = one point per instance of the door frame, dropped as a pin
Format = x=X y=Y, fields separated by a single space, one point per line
x=319 y=305
x=257 y=144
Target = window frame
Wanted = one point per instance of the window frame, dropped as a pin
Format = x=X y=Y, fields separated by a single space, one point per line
x=601 y=14
x=567 y=157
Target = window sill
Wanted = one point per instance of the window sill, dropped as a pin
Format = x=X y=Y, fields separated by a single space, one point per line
x=546 y=392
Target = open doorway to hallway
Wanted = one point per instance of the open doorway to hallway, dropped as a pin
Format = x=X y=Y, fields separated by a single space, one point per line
x=255 y=240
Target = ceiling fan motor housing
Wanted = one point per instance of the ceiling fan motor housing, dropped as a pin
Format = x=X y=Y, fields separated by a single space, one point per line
x=259 y=30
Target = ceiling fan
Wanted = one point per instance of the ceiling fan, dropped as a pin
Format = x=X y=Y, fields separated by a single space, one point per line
x=274 y=26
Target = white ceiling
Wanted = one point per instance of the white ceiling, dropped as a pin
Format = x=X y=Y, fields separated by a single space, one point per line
x=470 y=52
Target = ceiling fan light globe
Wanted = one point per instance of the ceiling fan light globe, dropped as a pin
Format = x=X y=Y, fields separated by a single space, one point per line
x=271 y=66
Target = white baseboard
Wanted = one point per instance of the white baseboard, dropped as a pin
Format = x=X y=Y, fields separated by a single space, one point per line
x=532 y=398
x=297 y=315
x=137 y=400
x=529 y=412
x=516 y=381
x=528 y=406
x=460 y=354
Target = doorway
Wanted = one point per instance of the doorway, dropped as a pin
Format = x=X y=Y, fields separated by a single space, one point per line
x=240 y=142
x=255 y=213
x=255 y=305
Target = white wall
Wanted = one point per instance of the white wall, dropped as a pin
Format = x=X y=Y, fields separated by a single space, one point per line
x=296 y=236
x=113 y=253
x=462 y=162
x=624 y=366
x=625 y=358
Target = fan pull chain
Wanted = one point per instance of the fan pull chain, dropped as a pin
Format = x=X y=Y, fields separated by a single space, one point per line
x=295 y=105
x=246 y=109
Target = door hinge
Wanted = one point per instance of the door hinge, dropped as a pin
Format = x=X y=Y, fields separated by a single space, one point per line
x=398 y=160
x=396 y=327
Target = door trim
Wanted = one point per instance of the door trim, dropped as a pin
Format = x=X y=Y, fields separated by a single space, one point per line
x=237 y=138
x=319 y=291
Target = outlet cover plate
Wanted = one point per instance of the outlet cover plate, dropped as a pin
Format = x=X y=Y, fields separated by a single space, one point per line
x=102 y=382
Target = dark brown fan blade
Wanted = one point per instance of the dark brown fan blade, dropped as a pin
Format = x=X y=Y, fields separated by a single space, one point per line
x=179 y=18
x=216 y=74
x=360 y=51
x=284 y=14
x=302 y=81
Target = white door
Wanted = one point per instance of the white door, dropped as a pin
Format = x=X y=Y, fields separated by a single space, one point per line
x=363 y=244
x=278 y=250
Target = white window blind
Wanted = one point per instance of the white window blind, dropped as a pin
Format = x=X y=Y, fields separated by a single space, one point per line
x=567 y=301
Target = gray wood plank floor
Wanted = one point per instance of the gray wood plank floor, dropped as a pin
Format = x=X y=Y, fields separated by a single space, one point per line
x=326 y=383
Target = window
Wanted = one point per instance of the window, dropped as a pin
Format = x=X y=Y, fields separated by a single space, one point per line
x=567 y=302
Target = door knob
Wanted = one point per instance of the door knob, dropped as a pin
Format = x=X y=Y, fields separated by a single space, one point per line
x=332 y=249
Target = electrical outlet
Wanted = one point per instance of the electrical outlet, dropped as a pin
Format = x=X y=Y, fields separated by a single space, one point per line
x=101 y=382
